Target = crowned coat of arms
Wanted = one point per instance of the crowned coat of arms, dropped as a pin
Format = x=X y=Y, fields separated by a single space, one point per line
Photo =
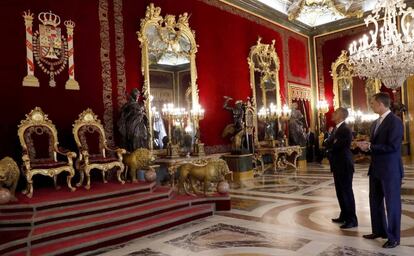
x=50 y=49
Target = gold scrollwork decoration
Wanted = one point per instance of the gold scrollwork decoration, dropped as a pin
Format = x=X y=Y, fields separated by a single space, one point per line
x=264 y=65
x=35 y=162
x=161 y=36
x=342 y=73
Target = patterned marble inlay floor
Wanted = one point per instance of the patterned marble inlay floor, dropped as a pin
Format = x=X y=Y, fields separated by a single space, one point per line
x=287 y=213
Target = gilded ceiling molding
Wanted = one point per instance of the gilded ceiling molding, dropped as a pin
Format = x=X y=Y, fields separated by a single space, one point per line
x=106 y=71
x=319 y=43
x=297 y=6
x=120 y=55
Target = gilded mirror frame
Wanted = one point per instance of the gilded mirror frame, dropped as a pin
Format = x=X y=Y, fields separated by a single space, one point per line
x=372 y=86
x=341 y=69
x=181 y=27
x=265 y=52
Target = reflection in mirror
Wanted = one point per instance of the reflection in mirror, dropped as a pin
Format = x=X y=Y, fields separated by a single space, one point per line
x=341 y=73
x=264 y=80
x=351 y=92
x=168 y=64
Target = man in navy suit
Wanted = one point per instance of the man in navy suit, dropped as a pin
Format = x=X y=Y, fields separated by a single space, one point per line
x=385 y=172
x=342 y=167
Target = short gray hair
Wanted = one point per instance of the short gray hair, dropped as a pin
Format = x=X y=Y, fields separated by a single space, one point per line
x=344 y=112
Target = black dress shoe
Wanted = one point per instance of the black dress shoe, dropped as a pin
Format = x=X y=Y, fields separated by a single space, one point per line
x=373 y=236
x=349 y=225
x=391 y=244
x=338 y=220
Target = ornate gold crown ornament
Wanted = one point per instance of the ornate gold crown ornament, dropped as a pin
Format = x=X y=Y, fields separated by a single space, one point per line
x=51 y=50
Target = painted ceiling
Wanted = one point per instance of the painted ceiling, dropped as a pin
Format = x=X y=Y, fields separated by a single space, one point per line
x=318 y=12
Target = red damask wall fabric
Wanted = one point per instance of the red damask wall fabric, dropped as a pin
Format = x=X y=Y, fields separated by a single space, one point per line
x=298 y=58
x=224 y=41
x=62 y=106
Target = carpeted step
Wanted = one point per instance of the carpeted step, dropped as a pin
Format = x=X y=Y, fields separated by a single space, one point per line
x=83 y=209
x=97 y=221
x=113 y=235
x=45 y=198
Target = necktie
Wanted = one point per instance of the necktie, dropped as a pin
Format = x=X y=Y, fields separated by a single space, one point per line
x=379 y=120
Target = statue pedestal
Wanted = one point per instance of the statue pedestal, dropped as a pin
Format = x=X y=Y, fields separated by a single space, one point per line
x=198 y=150
x=241 y=166
x=173 y=151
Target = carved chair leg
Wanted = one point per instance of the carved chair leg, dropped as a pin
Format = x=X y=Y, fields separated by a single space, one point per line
x=103 y=176
x=125 y=176
x=82 y=176
x=69 y=181
x=88 y=179
x=55 y=182
x=29 y=189
x=119 y=173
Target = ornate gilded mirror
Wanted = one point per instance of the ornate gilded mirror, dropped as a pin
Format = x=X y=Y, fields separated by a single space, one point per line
x=341 y=72
x=264 y=67
x=349 y=91
x=168 y=66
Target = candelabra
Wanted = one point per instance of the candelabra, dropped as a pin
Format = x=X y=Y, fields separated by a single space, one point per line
x=387 y=54
x=272 y=116
x=197 y=114
x=175 y=116
x=323 y=108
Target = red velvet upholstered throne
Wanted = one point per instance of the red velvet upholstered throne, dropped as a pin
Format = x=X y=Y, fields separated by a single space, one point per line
x=94 y=153
x=39 y=140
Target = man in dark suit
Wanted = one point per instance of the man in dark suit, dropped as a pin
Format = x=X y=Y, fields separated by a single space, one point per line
x=342 y=167
x=385 y=172
x=310 y=145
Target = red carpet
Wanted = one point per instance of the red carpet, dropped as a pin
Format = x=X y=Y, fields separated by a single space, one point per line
x=66 y=223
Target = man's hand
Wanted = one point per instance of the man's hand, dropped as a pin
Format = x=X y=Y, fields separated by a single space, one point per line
x=363 y=145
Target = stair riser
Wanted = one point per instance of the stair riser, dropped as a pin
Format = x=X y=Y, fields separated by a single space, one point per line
x=48 y=206
x=81 y=213
x=104 y=225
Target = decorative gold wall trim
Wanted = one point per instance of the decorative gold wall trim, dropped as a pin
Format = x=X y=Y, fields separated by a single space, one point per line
x=296 y=91
x=120 y=55
x=106 y=71
x=237 y=10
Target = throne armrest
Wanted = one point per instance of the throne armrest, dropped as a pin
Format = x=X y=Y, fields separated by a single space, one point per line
x=26 y=160
x=116 y=149
x=65 y=152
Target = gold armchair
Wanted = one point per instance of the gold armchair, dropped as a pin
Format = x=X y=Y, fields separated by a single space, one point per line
x=38 y=137
x=94 y=153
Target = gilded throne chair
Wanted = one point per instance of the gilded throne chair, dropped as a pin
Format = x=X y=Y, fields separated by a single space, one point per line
x=94 y=153
x=41 y=151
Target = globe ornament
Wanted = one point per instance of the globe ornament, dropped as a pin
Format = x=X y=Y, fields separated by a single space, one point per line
x=223 y=187
x=5 y=196
x=150 y=175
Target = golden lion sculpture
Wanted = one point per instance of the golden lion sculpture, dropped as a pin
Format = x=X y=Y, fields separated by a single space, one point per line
x=140 y=159
x=213 y=171
x=9 y=175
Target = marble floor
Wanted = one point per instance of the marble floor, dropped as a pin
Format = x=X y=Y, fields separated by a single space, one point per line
x=287 y=213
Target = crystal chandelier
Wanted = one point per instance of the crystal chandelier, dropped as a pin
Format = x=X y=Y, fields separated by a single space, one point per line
x=387 y=54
